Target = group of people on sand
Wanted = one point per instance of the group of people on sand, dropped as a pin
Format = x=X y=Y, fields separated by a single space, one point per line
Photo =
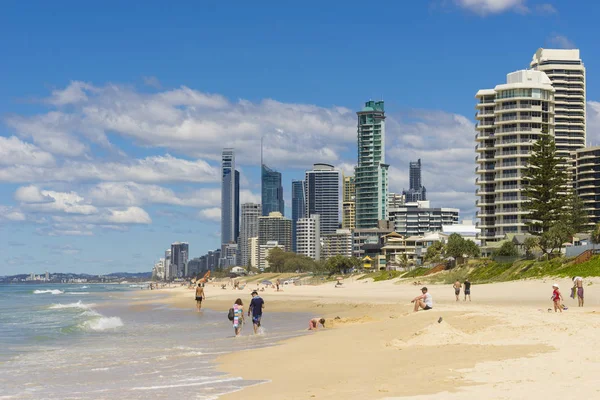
x=255 y=310
x=425 y=301
x=576 y=291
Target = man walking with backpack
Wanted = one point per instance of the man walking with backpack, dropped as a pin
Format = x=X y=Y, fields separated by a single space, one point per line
x=256 y=308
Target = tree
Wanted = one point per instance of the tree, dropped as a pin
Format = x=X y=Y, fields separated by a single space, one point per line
x=554 y=237
x=471 y=249
x=338 y=264
x=299 y=263
x=456 y=246
x=545 y=184
x=508 y=249
x=434 y=252
x=575 y=215
x=529 y=244
x=277 y=258
x=595 y=236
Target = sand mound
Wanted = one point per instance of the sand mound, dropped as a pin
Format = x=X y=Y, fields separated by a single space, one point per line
x=435 y=334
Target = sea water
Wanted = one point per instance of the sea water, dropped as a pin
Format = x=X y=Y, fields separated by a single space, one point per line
x=89 y=342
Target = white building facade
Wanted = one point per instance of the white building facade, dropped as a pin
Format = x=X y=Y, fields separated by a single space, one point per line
x=308 y=238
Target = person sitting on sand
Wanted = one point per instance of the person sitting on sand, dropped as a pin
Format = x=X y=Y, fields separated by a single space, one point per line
x=424 y=301
x=457 y=286
x=313 y=324
x=556 y=298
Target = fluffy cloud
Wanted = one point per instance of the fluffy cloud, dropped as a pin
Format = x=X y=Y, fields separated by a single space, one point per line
x=147 y=170
x=13 y=151
x=34 y=199
x=190 y=122
x=487 y=7
x=11 y=214
x=211 y=214
x=130 y=215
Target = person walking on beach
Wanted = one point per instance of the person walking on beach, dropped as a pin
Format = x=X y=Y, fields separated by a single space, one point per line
x=424 y=301
x=277 y=283
x=313 y=324
x=457 y=286
x=199 y=296
x=467 y=289
x=578 y=289
x=257 y=304
x=238 y=316
x=556 y=298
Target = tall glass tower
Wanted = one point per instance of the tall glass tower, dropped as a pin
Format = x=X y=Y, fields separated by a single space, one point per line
x=323 y=196
x=416 y=190
x=230 y=198
x=298 y=210
x=371 y=173
x=272 y=191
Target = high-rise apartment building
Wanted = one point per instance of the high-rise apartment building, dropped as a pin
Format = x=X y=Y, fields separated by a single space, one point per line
x=170 y=272
x=566 y=71
x=416 y=190
x=323 y=196
x=254 y=251
x=417 y=218
x=510 y=119
x=371 y=173
x=275 y=227
x=271 y=191
x=248 y=229
x=586 y=174
x=229 y=253
x=230 y=198
x=298 y=207
x=309 y=238
x=396 y=200
x=337 y=244
x=179 y=258
x=348 y=202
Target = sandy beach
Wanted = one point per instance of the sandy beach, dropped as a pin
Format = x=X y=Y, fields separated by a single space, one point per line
x=502 y=345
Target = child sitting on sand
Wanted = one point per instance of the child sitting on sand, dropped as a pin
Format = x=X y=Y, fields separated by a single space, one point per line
x=313 y=324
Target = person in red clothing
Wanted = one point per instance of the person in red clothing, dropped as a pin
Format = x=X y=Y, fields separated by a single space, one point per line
x=556 y=298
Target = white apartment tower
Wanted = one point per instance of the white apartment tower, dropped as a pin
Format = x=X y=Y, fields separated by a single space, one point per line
x=248 y=229
x=510 y=119
x=308 y=237
x=567 y=74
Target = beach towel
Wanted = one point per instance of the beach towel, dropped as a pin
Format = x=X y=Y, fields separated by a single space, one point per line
x=573 y=292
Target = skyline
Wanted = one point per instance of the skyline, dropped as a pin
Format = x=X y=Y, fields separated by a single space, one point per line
x=108 y=159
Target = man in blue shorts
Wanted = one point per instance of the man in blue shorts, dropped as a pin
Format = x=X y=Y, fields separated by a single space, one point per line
x=256 y=308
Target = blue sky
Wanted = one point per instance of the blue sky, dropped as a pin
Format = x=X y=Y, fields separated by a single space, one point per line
x=114 y=113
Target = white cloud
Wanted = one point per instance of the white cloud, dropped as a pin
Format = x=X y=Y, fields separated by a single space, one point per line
x=147 y=170
x=130 y=215
x=546 y=9
x=211 y=214
x=487 y=7
x=562 y=42
x=13 y=151
x=11 y=214
x=191 y=122
x=34 y=199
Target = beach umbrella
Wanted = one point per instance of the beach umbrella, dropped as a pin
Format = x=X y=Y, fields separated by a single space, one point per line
x=266 y=282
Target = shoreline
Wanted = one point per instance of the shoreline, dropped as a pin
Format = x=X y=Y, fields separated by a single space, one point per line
x=379 y=349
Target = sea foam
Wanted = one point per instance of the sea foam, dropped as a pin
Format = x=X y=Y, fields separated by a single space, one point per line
x=54 y=291
x=79 y=305
x=102 y=324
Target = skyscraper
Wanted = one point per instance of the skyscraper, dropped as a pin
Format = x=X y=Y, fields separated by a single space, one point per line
x=230 y=198
x=566 y=71
x=348 y=203
x=179 y=258
x=298 y=207
x=170 y=272
x=371 y=173
x=272 y=191
x=275 y=227
x=323 y=196
x=510 y=119
x=416 y=190
x=249 y=228
x=309 y=239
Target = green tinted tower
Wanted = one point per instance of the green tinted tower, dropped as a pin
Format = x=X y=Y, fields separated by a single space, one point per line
x=371 y=173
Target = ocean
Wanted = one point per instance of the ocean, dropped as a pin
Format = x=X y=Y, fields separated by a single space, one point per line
x=88 y=342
